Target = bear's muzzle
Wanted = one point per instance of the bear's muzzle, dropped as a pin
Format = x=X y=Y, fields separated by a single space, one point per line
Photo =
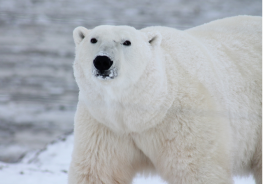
x=102 y=63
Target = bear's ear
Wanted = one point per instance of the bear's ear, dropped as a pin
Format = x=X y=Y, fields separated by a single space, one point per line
x=79 y=34
x=154 y=38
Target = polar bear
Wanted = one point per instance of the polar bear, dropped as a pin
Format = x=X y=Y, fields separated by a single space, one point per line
x=183 y=104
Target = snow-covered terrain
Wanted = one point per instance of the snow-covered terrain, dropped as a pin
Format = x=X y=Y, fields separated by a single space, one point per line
x=50 y=165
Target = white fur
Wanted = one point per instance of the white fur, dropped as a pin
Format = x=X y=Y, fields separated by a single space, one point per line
x=184 y=104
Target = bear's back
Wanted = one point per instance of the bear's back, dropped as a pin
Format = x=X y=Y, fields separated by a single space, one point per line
x=240 y=38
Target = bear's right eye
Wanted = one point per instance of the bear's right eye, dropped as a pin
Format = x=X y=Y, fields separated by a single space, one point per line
x=93 y=40
x=127 y=43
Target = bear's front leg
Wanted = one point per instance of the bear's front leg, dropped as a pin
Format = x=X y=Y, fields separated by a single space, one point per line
x=189 y=152
x=101 y=156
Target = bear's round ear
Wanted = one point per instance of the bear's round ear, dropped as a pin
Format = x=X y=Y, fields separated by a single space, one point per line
x=154 y=38
x=79 y=34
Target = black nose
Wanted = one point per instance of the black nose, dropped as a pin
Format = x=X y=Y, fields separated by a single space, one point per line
x=102 y=63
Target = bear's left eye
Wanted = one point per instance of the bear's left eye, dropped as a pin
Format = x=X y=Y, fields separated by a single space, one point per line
x=127 y=43
x=93 y=40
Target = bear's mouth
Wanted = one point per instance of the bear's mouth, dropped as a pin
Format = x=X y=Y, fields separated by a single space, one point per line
x=105 y=74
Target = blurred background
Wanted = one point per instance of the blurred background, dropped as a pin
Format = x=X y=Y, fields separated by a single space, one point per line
x=38 y=93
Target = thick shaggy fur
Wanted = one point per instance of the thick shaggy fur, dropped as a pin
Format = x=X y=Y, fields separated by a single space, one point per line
x=185 y=104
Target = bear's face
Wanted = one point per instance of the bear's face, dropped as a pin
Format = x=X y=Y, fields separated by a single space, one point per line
x=116 y=55
x=119 y=70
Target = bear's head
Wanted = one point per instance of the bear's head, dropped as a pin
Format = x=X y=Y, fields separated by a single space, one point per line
x=116 y=55
x=119 y=71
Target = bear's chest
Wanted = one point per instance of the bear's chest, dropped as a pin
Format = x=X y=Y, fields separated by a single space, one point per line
x=126 y=116
x=113 y=114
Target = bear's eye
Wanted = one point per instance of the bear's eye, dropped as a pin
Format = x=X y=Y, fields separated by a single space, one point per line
x=127 y=43
x=93 y=40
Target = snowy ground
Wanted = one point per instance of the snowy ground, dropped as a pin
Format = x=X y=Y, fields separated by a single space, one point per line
x=50 y=165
